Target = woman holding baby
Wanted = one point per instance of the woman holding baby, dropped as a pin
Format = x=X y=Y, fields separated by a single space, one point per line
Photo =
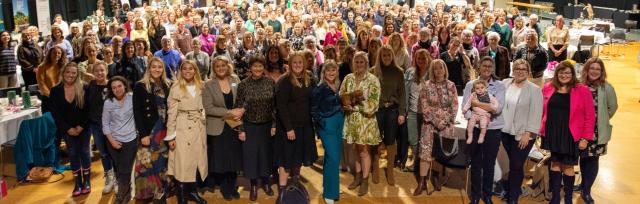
x=483 y=155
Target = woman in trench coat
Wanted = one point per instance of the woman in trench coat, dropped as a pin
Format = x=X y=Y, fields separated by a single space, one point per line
x=186 y=132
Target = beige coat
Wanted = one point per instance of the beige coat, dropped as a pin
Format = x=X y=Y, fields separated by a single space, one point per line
x=214 y=106
x=187 y=123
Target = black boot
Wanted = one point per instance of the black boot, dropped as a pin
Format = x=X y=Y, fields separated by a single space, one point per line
x=77 y=189
x=474 y=201
x=487 y=199
x=124 y=193
x=266 y=186
x=192 y=194
x=589 y=171
x=555 y=181
x=253 y=193
x=568 y=188
x=281 y=190
x=225 y=189
x=180 y=193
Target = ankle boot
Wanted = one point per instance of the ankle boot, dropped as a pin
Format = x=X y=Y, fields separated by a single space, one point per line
x=281 y=190
x=191 y=193
x=435 y=181
x=77 y=189
x=253 y=193
x=124 y=193
x=375 y=165
x=356 y=181
x=267 y=187
x=568 y=188
x=421 y=186
x=391 y=155
x=364 y=187
x=86 y=178
x=555 y=181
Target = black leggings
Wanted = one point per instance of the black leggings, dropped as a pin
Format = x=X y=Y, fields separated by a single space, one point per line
x=589 y=168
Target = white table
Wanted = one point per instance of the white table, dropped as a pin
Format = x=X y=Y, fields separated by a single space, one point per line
x=10 y=123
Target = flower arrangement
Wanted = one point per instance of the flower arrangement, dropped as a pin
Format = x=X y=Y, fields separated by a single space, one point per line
x=551 y=66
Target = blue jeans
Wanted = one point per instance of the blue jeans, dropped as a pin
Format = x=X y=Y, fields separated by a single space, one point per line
x=78 y=148
x=101 y=142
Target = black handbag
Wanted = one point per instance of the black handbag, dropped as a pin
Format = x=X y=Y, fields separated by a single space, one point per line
x=294 y=193
x=450 y=152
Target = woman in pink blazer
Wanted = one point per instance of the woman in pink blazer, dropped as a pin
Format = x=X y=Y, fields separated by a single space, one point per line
x=568 y=120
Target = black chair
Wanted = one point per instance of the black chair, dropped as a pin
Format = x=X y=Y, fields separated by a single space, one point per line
x=630 y=24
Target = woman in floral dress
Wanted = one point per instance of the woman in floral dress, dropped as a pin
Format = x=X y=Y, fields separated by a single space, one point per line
x=439 y=105
x=360 y=125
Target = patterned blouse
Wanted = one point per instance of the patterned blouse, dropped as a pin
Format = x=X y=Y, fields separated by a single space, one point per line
x=361 y=126
x=439 y=105
x=257 y=96
x=593 y=148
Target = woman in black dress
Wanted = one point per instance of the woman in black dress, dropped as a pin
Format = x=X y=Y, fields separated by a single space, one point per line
x=295 y=146
x=568 y=121
x=256 y=98
x=457 y=63
x=224 y=149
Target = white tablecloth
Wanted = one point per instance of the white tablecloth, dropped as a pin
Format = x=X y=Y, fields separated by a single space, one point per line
x=10 y=124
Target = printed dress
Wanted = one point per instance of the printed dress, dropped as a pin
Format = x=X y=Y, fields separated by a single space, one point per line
x=361 y=126
x=439 y=105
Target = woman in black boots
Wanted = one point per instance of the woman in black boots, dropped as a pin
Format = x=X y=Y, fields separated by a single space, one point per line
x=605 y=101
x=256 y=97
x=568 y=120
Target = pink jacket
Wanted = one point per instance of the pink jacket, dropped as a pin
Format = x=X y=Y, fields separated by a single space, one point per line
x=582 y=116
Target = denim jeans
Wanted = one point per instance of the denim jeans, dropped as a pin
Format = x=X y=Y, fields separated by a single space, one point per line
x=101 y=142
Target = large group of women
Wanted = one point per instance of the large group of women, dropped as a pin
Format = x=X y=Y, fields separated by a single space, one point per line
x=188 y=97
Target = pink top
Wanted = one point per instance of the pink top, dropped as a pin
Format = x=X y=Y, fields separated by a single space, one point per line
x=582 y=116
x=478 y=110
x=208 y=42
x=332 y=38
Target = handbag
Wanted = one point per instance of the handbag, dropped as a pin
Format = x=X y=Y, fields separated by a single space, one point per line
x=294 y=193
x=450 y=151
x=39 y=174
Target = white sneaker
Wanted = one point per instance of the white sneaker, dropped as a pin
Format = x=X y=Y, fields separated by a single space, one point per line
x=328 y=201
x=109 y=182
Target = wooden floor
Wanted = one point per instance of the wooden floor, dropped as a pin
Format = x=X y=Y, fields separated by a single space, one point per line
x=618 y=180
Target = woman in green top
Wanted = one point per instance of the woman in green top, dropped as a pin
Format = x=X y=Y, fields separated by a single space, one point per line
x=606 y=103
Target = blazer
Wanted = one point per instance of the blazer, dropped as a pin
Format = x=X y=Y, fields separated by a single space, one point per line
x=582 y=114
x=528 y=110
x=607 y=106
x=145 y=109
x=214 y=106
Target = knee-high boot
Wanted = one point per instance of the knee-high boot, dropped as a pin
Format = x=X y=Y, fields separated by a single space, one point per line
x=568 y=188
x=555 y=181
x=77 y=177
x=375 y=165
x=86 y=179
x=589 y=171
x=180 y=194
x=391 y=155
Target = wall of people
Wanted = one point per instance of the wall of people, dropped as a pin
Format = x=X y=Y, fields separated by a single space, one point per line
x=186 y=98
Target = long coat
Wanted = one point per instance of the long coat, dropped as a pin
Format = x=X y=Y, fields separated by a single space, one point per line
x=186 y=123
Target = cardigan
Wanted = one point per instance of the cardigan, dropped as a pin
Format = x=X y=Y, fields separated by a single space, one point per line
x=582 y=114
x=607 y=106
x=66 y=115
x=528 y=110
x=214 y=104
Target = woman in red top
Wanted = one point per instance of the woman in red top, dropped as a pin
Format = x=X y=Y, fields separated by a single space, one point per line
x=568 y=121
x=332 y=36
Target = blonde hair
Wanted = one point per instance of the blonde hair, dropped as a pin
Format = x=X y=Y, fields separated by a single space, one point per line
x=78 y=86
x=403 y=45
x=306 y=76
x=377 y=68
x=329 y=64
x=182 y=83
x=441 y=63
x=147 y=79
x=226 y=61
